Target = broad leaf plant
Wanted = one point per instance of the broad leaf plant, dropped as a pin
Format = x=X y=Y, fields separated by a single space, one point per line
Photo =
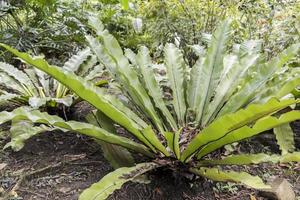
x=32 y=86
x=229 y=95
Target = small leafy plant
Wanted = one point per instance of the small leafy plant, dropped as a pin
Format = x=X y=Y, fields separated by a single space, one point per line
x=34 y=87
x=224 y=98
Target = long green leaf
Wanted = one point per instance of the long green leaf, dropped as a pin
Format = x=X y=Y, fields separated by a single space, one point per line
x=108 y=104
x=211 y=69
x=260 y=126
x=19 y=76
x=232 y=176
x=194 y=92
x=6 y=97
x=257 y=81
x=285 y=138
x=143 y=59
x=8 y=82
x=247 y=159
x=154 y=140
x=288 y=87
x=176 y=71
x=228 y=84
x=242 y=159
x=119 y=65
x=231 y=122
x=114 y=181
x=173 y=142
x=36 y=116
x=131 y=56
x=280 y=85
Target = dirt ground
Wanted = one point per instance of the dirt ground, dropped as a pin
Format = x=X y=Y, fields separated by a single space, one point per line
x=57 y=165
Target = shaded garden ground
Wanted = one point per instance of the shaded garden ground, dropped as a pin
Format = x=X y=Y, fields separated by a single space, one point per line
x=55 y=165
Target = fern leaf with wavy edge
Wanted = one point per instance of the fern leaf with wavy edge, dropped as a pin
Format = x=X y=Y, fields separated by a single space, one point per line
x=9 y=83
x=285 y=138
x=176 y=70
x=263 y=124
x=111 y=47
x=7 y=96
x=227 y=86
x=19 y=76
x=230 y=122
x=77 y=60
x=40 y=79
x=135 y=88
x=73 y=65
x=265 y=72
x=108 y=104
x=231 y=176
x=131 y=56
x=96 y=72
x=288 y=87
x=102 y=55
x=279 y=86
x=126 y=74
x=88 y=66
x=36 y=116
x=193 y=90
x=114 y=181
x=143 y=60
x=247 y=159
x=211 y=70
x=21 y=131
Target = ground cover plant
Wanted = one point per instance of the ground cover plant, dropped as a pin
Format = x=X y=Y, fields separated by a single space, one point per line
x=226 y=97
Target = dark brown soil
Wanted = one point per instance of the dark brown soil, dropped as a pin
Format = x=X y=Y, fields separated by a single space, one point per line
x=59 y=166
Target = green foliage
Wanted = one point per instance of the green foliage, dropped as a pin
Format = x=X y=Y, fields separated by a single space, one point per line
x=34 y=87
x=35 y=116
x=172 y=130
x=275 y=23
x=53 y=28
x=285 y=138
x=239 y=177
x=115 y=180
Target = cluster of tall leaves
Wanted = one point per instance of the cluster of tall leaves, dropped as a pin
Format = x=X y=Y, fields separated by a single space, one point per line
x=226 y=97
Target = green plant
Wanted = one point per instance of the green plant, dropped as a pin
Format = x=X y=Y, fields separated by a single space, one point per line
x=211 y=106
x=52 y=28
x=187 y=22
x=32 y=86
